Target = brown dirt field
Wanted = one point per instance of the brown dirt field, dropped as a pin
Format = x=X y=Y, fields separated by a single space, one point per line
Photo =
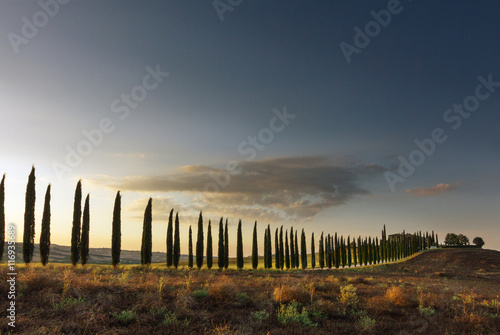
x=443 y=291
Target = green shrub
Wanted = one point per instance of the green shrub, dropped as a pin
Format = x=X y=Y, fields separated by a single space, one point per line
x=157 y=310
x=316 y=313
x=125 y=317
x=170 y=319
x=200 y=293
x=348 y=296
x=429 y=311
x=68 y=302
x=260 y=315
x=365 y=322
x=289 y=314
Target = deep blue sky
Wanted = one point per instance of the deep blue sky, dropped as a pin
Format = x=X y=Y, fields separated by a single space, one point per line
x=324 y=171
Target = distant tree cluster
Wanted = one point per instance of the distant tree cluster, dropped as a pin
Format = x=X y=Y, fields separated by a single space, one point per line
x=453 y=239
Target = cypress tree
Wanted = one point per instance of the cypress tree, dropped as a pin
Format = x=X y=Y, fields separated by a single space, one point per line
x=349 y=255
x=313 y=252
x=328 y=252
x=75 y=232
x=332 y=251
x=226 y=248
x=2 y=217
x=147 y=245
x=239 y=248
x=199 y=243
x=45 y=234
x=292 y=249
x=365 y=250
x=276 y=250
x=342 y=251
x=116 y=235
x=337 y=252
x=209 y=246
x=377 y=248
x=354 y=253
x=84 y=249
x=303 y=250
x=437 y=240
x=321 y=252
x=296 y=251
x=269 y=248
x=287 y=251
x=282 y=250
x=190 y=249
x=220 y=255
x=29 y=219
x=360 y=251
x=170 y=242
x=370 y=251
x=177 y=242
x=265 y=249
x=255 y=251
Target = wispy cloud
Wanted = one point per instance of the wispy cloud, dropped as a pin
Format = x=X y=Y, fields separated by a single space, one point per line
x=278 y=188
x=433 y=190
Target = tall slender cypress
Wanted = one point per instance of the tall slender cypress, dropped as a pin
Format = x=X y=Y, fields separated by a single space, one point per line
x=296 y=251
x=199 y=243
x=170 y=242
x=45 y=234
x=75 y=231
x=84 y=248
x=226 y=248
x=276 y=250
x=116 y=235
x=177 y=242
x=287 y=251
x=190 y=249
x=147 y=245
x=29 y=219
x=303 y=250
x=313 y=252
x=342 y=251
x=349 y=252
x=255 y=251
x=292 y=249
x=2 y=217
x=209 y=246
x=220 y=251
x=282 y=250
x=239 y=248
x=337 y=252
x=265 y=249
x=354 y=253
x=321 y=251
x=328 y=252
x=269 y=248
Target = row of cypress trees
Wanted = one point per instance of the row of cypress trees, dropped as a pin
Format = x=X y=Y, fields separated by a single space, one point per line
x=333 y=251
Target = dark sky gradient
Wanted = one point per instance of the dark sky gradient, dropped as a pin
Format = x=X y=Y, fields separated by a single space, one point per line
x=225 y=79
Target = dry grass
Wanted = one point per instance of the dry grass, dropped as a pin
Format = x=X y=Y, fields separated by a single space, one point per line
x=379 y=300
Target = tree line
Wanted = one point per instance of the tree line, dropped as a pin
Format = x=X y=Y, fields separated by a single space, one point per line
x=333 y=251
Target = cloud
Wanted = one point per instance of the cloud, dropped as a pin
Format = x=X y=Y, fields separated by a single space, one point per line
x=438 y=189
x=278 y=188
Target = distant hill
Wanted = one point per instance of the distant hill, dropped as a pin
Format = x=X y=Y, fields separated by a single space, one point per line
x=61 y=254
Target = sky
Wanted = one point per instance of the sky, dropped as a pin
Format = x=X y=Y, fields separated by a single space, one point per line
x=338 y=116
